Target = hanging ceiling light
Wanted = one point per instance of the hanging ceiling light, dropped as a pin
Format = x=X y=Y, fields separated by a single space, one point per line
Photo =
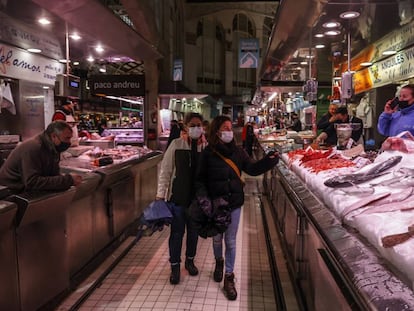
x=332 y=33
x=34 y=50
x=331 y=25
x=349 y=15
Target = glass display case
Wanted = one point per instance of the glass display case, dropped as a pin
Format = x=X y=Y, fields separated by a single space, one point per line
x=127 y=136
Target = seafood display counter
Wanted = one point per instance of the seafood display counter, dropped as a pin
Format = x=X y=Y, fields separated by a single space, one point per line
x=54 y=239
x=110 y=198
x=338 y=262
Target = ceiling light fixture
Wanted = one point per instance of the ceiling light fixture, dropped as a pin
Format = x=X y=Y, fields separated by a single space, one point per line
x=75 y=36
x=90 y=59
x=319 y=35
x=274 y=94
x=99 y=49
x=76 y=63
x=64 y=61
x=332 y=33
x=349 y=15
x=319 y=46
x=365 y=64
x=331 y=25
x=125 y=100
x=389 y=52
x=44 y=21
x=33 y=50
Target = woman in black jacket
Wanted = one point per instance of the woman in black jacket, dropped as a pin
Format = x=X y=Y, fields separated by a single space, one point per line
x=217 y=179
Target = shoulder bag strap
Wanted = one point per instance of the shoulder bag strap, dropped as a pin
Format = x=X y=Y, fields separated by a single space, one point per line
x=231 y=164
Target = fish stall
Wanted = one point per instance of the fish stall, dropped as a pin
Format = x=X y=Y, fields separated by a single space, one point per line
x=346 y=221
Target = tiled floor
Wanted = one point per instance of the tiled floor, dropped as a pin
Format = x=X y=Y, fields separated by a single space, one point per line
x=141 y=280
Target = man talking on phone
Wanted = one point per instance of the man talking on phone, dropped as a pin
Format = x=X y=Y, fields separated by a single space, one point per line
x=398 y=114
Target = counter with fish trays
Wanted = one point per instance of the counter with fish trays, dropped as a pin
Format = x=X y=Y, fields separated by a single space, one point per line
x=382 y=277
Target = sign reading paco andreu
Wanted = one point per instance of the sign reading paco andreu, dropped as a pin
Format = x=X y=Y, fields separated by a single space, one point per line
x=117 y=85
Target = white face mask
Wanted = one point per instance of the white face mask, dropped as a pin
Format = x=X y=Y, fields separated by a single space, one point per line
x=195 y=132
x=226 y=136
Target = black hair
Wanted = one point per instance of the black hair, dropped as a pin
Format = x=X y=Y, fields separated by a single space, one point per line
x=342 y=110
x=191 y=115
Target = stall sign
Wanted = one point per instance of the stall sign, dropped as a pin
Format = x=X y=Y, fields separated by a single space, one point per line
x=248 y=53
x=15 y=33
x=118 y=85
x=18 y=64
x=396 y=40
x=178 y=70
x=362 y=81
x=393 y=69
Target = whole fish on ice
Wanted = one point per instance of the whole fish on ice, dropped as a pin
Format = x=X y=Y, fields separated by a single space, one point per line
x=363 y=202
x=349 y=180
x=403 y=178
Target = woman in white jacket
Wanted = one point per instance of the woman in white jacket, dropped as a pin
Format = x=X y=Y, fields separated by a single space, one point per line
x=176 y=184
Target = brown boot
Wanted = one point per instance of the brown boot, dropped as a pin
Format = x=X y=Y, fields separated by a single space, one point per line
x=229 y=287
x=218 y=270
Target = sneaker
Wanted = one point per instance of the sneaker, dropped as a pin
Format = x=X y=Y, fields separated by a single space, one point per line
x=175 y=274
x=229 y=286
x=190 y=267
x=218 y=270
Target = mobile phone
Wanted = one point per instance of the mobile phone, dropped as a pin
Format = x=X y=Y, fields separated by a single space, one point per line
x=394 y=103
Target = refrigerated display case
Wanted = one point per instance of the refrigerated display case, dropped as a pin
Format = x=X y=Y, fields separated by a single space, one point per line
x=127 y=136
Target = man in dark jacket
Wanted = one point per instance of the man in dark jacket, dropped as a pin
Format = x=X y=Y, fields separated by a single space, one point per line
x=341 y=116
x=34 y=164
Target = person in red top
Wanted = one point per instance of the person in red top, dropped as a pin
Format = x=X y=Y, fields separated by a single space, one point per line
x=65 y=113
x=244 y=132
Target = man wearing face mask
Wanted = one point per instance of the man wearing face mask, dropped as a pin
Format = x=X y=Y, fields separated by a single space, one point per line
x=218 y=178
x=34 y=164
x=176 y=184
x=398 y=116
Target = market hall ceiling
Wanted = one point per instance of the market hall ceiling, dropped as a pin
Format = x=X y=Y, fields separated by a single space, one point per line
x=289 y=42
x=125 y=50
x=296 y=23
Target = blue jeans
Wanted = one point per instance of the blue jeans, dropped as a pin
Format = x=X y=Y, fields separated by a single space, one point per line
x=179 y=222
x=230 y=241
